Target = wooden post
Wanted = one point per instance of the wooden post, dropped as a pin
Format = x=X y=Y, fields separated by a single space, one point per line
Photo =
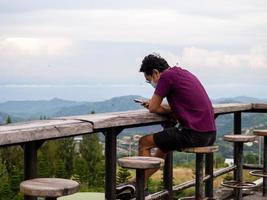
x=30 y=162
x=110 y=163
x=168 y=166
x=265 y=167
x=168 y=175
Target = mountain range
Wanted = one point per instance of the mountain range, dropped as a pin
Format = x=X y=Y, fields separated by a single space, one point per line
x=27 y=110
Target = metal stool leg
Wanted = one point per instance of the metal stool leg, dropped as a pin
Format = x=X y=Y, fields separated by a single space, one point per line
x=199 y=176
x=140 y=184
x=209 y=171
x=238 y=146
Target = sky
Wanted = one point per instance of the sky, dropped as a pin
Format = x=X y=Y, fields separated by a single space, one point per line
x=92 y=50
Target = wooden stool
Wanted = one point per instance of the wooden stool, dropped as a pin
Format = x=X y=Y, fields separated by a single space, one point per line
x=200 y=152
x=238 y=183
x=140 y=164
x=50 y=188
x=262 y=173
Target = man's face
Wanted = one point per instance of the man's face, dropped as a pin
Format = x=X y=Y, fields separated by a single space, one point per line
x=153 y=78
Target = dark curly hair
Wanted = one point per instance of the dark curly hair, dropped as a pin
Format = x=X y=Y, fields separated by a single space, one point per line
x=153 y=61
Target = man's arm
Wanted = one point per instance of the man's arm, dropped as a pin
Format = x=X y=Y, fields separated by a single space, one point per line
x=155 y=105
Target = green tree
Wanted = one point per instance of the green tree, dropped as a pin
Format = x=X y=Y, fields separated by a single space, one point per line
x=4 y=186
x=91 y=151
x=5 y=192
x=43 y=117
x=19 y=196
x=251 y=158
x=60 y=172
x=66 y=153
x=219 y=160
x=43 y=169
x=8 y=120
x=12 y=157
x=47 y=154
x=123 y=175
x=80 y=169
x=15 y=179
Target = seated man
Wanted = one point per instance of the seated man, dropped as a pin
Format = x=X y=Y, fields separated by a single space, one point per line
x=187 y=101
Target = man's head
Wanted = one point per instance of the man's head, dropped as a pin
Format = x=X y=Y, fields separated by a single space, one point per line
x=152 y=65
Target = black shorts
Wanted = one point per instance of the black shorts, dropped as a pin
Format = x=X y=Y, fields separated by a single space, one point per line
x=174 y=138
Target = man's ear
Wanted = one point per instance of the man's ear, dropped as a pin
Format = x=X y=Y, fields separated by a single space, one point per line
x=157 y=73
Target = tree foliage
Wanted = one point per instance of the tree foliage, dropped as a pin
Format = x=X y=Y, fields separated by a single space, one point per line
x=91 y=151
x=123 y=175
x=66 y=153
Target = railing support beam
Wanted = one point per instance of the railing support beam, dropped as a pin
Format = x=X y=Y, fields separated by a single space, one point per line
x=168 y=176
x=110 y=162
x=265 y=167
x=30 y=162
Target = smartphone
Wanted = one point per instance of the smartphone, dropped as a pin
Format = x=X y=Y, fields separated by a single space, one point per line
x=138 y=101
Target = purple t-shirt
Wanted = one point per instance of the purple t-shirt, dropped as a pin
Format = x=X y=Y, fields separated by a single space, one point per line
x=187 y=99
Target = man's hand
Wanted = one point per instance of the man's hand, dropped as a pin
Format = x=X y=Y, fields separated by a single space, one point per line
x=154 y=105
x=145 y=103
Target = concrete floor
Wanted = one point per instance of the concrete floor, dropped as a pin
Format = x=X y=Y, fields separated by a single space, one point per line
x=84 y=196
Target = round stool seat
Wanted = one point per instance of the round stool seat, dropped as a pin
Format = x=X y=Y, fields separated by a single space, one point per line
x=260 y=132
x=239 y=138
x=206 y=149
x=239 y=185
x=194 y=198
x=140 y=162
x=49 y=187
x=259 y=173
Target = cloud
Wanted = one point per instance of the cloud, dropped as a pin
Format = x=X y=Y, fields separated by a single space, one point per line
x=154 y=25
x=33 y=46
x=215 y=67
x=194 y=57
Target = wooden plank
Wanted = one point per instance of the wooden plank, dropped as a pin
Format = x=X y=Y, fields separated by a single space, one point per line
x=231 y=107
x=259 y=106
x=143 y=117
x=116 y=119
x=260 y=132
x=16 y=133
x=74 y=125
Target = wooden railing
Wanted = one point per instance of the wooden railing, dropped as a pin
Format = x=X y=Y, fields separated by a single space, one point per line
x=31 y=135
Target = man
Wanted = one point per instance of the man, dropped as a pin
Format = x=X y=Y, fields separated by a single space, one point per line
x=187 y=101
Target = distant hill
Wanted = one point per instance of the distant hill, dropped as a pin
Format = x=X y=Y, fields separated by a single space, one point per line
x=59 y=107
x=115 y=104
x=239 y=99
x=33 y=109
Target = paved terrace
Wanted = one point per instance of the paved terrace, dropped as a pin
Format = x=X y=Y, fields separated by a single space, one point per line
x=31 y=135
